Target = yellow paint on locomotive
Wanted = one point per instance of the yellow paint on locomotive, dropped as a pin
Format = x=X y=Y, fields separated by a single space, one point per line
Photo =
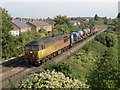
x=38 y=55
x=96 y=29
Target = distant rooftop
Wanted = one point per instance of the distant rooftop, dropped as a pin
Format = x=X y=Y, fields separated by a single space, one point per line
x=21 y=24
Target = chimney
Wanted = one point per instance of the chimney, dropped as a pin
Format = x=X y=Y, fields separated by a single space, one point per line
x=20 y=19
x=32 y=20
x=40 y=19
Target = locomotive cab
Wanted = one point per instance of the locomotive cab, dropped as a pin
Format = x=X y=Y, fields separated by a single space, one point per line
x=34 y=52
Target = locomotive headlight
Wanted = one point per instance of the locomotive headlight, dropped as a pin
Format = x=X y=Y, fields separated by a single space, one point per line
x=30 y=51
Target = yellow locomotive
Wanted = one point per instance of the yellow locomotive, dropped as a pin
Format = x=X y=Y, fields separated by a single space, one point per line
x=37 y=51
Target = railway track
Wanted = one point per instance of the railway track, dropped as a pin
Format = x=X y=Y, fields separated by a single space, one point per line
x=11 y=64
x=16 y=69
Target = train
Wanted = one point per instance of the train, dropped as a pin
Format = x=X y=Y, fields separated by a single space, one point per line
x=41 y=50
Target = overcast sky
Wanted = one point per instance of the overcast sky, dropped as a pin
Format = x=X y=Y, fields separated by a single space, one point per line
x=51 y=8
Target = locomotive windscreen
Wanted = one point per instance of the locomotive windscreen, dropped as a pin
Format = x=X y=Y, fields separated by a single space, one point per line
x=32 y=48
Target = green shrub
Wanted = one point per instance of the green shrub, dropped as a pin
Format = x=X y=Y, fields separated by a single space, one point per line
x=110 y=40
x=63 y=67
x=107 y=39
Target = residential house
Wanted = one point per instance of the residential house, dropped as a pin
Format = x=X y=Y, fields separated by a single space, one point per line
x=78 y=22
x=19 y=27
x=51 y=23
x=39 y=24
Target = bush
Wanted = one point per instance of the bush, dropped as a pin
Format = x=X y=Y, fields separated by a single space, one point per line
x=49 y=79
x=107 y=39
x=106 y=73
x=109 y=30
x=63 y=67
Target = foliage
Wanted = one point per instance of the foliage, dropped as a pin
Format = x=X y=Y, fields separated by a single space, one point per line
x=105 y=75
x=6 y=27
x=95 y=48
x=63 y=67
x=78 y=18
x=61 y=20
x=107 y=39
x=42 y=31
x=12 y=84
x=96 y=17
x=52 y=79
x=118 y=16
x=63 y=26
x=62 y=29
x=105 y=20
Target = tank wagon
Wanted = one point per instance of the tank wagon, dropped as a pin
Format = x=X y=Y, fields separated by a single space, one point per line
x=39 y=51
x=86 y=31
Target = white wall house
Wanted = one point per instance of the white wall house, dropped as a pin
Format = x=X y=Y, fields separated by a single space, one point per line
x=75 y=23
x=14 y=32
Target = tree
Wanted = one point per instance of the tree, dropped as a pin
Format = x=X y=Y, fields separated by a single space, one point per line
x=118 y=16
x=105 y=20
x=61 y=20
x=110 y=40
x=107 y=39
x=115 y=21
x=62 y=29
x=6 y=27
x=106 y=73
x=42 y=31
x=96 y=17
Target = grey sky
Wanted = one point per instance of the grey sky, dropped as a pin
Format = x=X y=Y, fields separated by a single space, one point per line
x=51 y=9
x=60 y=0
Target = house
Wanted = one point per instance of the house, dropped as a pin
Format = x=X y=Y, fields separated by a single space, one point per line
x=39 y=24
x=51 y=23
x=19 y=27
x=78 y=22
x=15 y=30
